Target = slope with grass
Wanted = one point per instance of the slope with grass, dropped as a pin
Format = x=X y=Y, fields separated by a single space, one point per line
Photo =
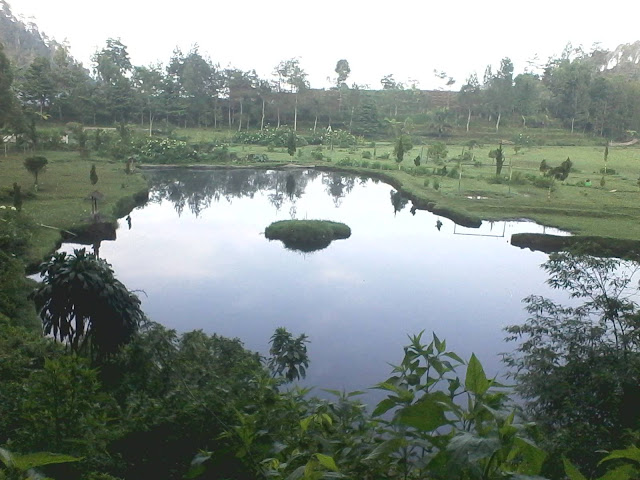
x=62 y=200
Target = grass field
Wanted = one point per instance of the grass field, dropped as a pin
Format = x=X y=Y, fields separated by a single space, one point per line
x=62 y=197
x=612 y=210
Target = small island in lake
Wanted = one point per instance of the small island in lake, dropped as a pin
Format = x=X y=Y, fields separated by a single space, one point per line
x=307 y=235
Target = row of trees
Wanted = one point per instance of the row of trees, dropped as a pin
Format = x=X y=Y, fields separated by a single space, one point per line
x=585 y=91
x=580 y=89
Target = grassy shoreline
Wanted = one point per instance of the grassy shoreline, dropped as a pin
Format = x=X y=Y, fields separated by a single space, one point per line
x=62 y=201
x=611 y=211
x=594 y=211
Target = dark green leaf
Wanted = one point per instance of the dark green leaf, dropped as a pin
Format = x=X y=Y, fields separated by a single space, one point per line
x=384 y=406
x=427 y=414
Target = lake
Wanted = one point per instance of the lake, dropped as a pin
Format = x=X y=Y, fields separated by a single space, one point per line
x=198 y=257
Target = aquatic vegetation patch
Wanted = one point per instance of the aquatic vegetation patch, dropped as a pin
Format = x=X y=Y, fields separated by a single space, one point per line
x=307 y=235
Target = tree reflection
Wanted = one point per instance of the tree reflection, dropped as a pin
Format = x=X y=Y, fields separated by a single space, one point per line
x=338 y=186
x=197 y=190
x=398 y=201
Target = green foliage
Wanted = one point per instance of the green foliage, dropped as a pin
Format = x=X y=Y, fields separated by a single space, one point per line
x=317 y=155
x=544 y=167
x=14 y=291
x=16 y=231
x=578 y=366
x=453 y=173
x=34 y=166
x=420 y=430
x=485 y=438
x=341 y=138
x=288 y=355
x=165 y=150
x=307 y=235
x=559 y=173
x=23 y=350
x=79 y=134
x=366 y=154
x=366 y=120
x=543 y=182
x=93 y=175
x=22 y=467
x=258 y=157
x=346 y=162
x=180 y=393
x=402 y=145
x=437 y=152
x=64 y=410
x=82 y=304
x=621 y=464
x=291 y=143
x=498 y=156
x=17 y=196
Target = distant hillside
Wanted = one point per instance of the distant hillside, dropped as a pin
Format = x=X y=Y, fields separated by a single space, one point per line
x=21 y=39
x=624 y=60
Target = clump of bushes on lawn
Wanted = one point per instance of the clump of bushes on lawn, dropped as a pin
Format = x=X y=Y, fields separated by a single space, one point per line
x=307 y=235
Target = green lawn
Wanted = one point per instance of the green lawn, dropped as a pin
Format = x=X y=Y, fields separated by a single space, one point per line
x=609 y=211
x=61 y=200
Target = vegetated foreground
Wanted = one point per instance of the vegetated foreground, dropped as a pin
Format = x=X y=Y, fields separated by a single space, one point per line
x=307 y=235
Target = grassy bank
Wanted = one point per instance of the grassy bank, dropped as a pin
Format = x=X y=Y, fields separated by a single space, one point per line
x=62 y=199
x=466 y=191
x=470 y=190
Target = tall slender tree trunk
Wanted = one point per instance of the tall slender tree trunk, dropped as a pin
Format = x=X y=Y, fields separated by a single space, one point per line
x=240 y=122
x=262 y=118
x=229 y=112
x=150 y=123
x=468 y=119
x=604 y=116
x=498 y=121
x=573 y=120
x=278 y=117
x=315 y=124
x=351 y=119
x=295 y=115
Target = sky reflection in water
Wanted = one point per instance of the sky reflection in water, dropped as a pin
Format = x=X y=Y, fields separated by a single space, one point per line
x=198 y=252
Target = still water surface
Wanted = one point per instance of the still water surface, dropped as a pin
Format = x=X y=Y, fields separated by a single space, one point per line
x=198 y=252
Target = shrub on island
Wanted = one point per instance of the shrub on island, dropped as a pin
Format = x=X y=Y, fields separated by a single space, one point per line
x=307 y=235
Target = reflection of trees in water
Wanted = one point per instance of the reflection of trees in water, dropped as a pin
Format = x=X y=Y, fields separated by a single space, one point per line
x=398 y=201
x=338 y=186
x=198 y=189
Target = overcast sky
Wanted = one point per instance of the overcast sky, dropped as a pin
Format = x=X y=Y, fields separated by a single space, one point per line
x=407 y=39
